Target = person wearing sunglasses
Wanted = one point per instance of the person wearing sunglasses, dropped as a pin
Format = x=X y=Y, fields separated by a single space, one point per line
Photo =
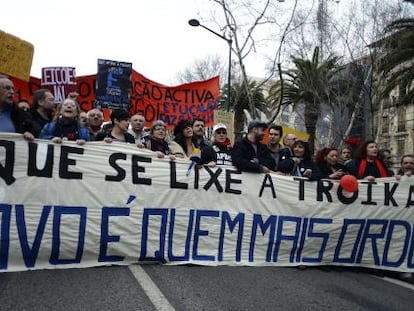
x=12 y=118
x=222 y=145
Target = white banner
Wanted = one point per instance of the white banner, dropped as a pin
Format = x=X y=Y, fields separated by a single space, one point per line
x=65 y=206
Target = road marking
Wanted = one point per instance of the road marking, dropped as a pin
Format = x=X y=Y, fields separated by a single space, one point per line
x=398 y=282
x=151 y=290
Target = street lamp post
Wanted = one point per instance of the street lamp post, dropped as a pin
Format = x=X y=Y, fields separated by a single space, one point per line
x=196 y=23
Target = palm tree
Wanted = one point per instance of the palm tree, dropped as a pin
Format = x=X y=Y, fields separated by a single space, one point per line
x=396 y=64
x=239 y=102
x=312 y=82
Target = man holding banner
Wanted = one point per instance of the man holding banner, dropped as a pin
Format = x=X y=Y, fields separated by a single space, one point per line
x=249 y=154
x=42 y=109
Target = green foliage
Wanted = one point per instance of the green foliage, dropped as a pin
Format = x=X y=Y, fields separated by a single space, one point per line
x=396 y=63
x=239 y=101
x=311 y=82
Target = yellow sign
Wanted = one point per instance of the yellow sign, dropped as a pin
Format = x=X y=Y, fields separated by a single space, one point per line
x=300 y=135
x=16 y=56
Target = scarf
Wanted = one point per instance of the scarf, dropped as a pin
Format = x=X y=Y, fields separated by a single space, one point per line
x=223 y=144
x=378 y=164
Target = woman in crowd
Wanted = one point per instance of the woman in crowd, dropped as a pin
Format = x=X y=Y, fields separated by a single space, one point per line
x=183 y=136
x=328 y=163
x=366 y=164
x=300 y=164
x=156 y=141
x=65 y=125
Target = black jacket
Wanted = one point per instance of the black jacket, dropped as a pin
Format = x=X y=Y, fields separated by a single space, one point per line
x=38 y=122
x=288 y=166
x=21 y=120
x=370 y=170
x=245 y=158
x=326 y=170
x=127 y=137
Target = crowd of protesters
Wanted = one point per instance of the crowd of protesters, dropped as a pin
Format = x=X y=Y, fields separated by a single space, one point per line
x=45 y=119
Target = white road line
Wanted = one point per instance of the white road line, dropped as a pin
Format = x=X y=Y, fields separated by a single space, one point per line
x=398 y=282
x=151 y=290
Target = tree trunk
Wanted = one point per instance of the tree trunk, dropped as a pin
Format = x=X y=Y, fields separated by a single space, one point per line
x=311 y=118
x=238 y=124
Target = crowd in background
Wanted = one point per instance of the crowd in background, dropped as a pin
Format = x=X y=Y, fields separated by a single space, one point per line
x=283 y=153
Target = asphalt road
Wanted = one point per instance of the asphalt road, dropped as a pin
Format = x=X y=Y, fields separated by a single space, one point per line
x=201 y=288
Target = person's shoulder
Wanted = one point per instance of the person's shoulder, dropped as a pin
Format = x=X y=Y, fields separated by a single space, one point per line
x=84 y=132
x=241 y=141
x=206 y=143
x=341 y=166
x=101 y=135
x=176 y=149
x=21 y=113
x=351 y=162
x=129 y=137
x=130 y=131
x=263 y=146
x=34 y=114
x=174 y=144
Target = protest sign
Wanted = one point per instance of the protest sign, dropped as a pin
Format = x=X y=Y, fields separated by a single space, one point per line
x=153 y=100
x=113 y=84
x=87 y=91
x=60 y=81
x=16 y=56
x=67 y=206
x=172 y=104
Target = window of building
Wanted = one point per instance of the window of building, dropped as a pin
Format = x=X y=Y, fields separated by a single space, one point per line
x=385 y=125
x=401 y=119
x=401 y=146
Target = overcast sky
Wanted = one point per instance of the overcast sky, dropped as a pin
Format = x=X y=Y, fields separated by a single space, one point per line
x=153 y=35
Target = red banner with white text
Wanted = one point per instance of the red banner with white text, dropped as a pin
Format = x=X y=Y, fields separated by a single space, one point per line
x=153 y=100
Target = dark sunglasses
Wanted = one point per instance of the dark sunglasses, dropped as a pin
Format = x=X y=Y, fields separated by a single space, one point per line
x=221 y=132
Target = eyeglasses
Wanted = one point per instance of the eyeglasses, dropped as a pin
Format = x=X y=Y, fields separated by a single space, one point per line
x=159 y=129
x=221 y=132
x=95 y=115
x=8 y=88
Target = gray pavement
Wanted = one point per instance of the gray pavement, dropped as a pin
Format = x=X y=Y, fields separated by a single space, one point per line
x=202 y=288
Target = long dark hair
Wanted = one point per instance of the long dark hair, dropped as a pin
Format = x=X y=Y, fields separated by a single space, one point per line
x=322 y=153
x=307 y=154
x=361 y=152
x=178 y=132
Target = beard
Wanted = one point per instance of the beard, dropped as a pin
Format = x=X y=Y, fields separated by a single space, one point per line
x=259 y=137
